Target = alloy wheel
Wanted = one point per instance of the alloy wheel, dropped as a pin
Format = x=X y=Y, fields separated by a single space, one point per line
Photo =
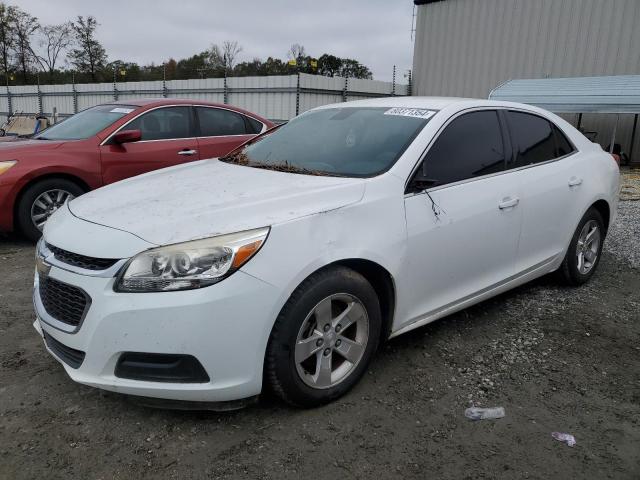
x=331 y=341
x=46 y=203
x=588 y=246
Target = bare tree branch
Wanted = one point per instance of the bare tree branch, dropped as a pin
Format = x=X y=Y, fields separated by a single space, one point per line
x=54 y=40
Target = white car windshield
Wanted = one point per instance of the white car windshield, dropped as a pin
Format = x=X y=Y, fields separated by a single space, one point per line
x=87 y=123
x=348 y=141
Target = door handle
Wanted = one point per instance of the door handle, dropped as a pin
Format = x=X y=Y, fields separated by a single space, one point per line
x=187 y=152
x=575 y=181
x=508 y=202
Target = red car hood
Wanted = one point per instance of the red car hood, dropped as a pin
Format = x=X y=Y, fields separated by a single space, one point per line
x=15 y=148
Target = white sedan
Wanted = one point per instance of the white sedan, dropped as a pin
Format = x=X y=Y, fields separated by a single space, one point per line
x=288 y=262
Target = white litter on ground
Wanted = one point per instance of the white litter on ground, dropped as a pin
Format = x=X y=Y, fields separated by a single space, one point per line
x=565 y=438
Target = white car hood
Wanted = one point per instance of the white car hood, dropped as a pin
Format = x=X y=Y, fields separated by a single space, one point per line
x=208 y=198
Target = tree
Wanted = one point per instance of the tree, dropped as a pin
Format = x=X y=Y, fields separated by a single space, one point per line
x=89 y=56
x=123 y=71
x=215 y=59
x=195 y=66
x=170 y=69
x=354 y=69
x=296 y=52
x=25 y=25
x=230 y=50
x=223 y=60
x=54 y=40
x=331 y=66
x=7 y=37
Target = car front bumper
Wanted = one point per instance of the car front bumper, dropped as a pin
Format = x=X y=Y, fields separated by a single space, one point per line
x=225 y=327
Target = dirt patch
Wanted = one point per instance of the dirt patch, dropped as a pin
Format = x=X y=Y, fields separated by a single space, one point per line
x=557 y=358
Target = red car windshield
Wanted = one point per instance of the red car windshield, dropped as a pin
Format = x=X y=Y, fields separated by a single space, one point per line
x=87 y=123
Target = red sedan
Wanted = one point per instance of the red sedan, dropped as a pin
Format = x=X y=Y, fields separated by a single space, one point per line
x=107 y=143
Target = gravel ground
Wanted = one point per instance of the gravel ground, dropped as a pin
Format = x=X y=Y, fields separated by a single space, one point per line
x=557 y=358
x=624 y=236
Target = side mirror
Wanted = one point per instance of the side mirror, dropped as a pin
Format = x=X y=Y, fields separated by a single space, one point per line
x=127 y=136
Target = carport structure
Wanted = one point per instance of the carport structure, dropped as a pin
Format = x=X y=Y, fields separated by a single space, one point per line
x=578 y=95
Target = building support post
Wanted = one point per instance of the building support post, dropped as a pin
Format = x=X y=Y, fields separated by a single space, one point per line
x=579 y=121
x=613 y=134
x=633 y=140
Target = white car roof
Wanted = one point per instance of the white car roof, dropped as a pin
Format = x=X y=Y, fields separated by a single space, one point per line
x=431 y=103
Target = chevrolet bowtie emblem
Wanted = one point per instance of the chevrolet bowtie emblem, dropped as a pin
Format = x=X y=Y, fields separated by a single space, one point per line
x=42 y=267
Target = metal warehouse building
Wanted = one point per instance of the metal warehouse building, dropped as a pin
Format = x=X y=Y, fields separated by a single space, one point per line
x=469 y=47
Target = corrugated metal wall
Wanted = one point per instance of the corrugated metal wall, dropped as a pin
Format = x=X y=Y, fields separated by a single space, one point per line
x=468 y=47
x=275 y=97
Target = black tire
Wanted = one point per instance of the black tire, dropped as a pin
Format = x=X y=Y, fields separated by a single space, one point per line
x=281 y=374
x=23 y=213
x=569 y=268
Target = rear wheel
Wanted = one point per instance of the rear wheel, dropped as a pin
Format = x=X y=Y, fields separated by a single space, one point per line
x=324 y=338
x=40 y=200
x=583 y=254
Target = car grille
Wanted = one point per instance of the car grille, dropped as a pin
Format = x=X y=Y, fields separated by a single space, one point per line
x=68 y=355
x=81 y=261
x=62 y=301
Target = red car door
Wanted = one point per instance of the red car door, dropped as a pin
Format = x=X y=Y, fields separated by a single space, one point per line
x=168 y=138
x=222 y=130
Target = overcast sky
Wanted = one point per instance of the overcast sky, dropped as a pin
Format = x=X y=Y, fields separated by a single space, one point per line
x=375 y=32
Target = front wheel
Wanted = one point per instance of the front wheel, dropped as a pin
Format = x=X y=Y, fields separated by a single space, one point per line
x=585 y=249
x=40 y=200
x=324 y=338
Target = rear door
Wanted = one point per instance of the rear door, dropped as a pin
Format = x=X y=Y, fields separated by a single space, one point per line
x=222 y=130
x=549 y=170
x=463 y=228
x=168 y=138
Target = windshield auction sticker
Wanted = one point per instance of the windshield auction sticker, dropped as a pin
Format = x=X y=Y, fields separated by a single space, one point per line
x=411 y=112
x=121 y=110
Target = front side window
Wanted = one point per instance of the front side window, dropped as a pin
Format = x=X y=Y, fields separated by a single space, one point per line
x=87 y=123
x=163 y=123
x=344 y=141
x=470 y=146
x=534 y=139
x=217 y=122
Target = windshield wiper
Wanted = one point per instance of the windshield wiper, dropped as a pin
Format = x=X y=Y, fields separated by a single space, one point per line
x=242 y=159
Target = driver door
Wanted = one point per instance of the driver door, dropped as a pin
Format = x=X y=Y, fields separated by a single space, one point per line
x=167 y=139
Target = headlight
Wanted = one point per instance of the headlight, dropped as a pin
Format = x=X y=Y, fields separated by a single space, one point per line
x=196 y=264
x=6 y=165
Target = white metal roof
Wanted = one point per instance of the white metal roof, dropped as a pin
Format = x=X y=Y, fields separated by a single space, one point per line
x=614 y=94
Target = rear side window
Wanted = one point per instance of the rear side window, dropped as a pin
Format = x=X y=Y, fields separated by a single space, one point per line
x=536 y=139
x=563 y=146
x=216 y=122
x=254 y=126
x=163 y=123
x=470 y=146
